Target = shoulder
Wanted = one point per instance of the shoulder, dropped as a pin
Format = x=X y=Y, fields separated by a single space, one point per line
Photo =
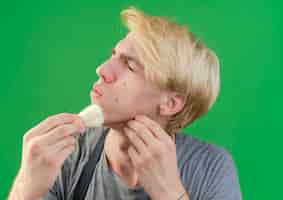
x=196 y=150
x=207 y=169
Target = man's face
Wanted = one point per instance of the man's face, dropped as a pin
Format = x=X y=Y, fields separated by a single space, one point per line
x=123 y=88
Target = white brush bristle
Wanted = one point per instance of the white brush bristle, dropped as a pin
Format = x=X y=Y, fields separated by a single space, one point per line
x=92 y=116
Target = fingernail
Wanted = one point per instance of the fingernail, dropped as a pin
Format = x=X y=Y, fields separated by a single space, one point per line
x=83 y=129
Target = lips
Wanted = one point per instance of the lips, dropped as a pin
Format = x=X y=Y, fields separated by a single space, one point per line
x=97 y=90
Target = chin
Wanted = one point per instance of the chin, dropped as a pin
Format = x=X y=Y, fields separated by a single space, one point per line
x=116 y=126
x=116 y=122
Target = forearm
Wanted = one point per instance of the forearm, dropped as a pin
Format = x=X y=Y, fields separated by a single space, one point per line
x=176 y=194
x=184 y=196
x=17 y=191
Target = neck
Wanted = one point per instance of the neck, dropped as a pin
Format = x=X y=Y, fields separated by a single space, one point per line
x=116 y=150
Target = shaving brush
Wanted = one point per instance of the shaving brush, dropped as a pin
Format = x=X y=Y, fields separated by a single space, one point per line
x=92 y=116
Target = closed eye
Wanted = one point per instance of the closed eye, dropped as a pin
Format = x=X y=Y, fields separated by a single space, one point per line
x=131 y=69
x=126 y=61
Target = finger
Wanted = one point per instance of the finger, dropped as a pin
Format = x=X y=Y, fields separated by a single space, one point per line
x=54 y=149
x=50 y=123
x=138 y=144
x=57 y=153
x=134 y=155
x=155 y=128
x=38 y=147
x=142 y=131
x=64 y=153
x=80 y=124
x=59 y=133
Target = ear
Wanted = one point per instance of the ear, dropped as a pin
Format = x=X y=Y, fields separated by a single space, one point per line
x=171 y=103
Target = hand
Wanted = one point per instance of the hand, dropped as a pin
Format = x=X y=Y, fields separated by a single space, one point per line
x=45 y=148
x=153 y=154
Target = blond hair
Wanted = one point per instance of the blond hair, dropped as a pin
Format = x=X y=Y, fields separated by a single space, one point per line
x=175 y=60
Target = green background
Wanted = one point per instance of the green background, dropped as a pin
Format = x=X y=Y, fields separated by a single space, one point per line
x=50 y=50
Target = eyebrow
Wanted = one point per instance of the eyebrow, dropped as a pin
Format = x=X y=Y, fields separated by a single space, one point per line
x=130 y=58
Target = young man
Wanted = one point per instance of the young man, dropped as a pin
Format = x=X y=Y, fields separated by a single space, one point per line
x=159 y=79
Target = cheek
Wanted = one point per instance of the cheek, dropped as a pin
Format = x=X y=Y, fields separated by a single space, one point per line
x=122 y=93
x=132 y=92
x=116 y=99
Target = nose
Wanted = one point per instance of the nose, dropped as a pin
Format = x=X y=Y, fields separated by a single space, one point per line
x=104 y=71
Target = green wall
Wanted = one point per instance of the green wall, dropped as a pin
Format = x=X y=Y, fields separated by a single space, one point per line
x=49 y=51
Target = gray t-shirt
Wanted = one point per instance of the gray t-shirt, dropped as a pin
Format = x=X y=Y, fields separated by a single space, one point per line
x=207 y=172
